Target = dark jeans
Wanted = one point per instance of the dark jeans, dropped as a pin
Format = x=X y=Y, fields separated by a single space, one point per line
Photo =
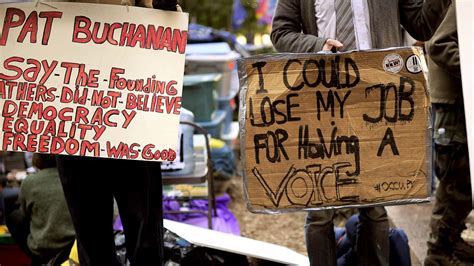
x=372 y=243
x=346 y=239
x=90 y=184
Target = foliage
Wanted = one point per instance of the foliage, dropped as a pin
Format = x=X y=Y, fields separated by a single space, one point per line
x=213 y=13
x=218 y=14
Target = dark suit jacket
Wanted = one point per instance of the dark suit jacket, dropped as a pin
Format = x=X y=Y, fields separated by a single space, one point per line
x=295 y=29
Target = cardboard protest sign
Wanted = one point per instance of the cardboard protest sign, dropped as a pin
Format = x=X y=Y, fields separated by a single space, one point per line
x=91 y=80
x=329 y=130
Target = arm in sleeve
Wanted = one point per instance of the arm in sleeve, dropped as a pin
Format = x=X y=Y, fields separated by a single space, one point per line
x=170 y=5
x=24 y=200
x=443 y=48
x=287 y=35
x=421 y=18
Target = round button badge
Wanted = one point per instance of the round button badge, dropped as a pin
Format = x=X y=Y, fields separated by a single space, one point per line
x=413 y=64
x=393 y=63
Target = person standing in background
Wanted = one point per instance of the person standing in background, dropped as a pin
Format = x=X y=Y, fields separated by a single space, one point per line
x=305 y=26
x=42 y=226
x=453 y=194
x=91 y=184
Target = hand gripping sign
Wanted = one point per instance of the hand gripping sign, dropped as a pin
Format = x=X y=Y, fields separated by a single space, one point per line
x=334 y=130
x=80 y=81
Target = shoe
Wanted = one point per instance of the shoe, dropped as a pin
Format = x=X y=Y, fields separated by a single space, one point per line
x=464 y=251
x=444 y=260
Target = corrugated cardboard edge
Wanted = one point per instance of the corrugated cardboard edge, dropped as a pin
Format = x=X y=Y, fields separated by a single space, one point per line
x=429 y=131
x=242 y=132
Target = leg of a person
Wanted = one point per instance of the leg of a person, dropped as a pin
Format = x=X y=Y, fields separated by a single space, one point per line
x=346 y=247
x=372 y=244
x=399 y=248
x=351 y=229
x=453 y=196
x=19 y=228
x=87 y=187
x=138 y=192
x=320 y=238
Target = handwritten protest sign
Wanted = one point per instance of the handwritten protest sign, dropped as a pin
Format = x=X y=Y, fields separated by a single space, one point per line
x=91 y=80
x=328 y=130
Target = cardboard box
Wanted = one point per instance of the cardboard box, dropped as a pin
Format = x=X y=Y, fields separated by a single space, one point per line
x=335 y=130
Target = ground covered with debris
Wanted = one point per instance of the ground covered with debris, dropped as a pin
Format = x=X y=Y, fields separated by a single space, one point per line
x=283 y=229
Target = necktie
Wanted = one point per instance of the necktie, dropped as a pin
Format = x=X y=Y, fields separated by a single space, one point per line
x=345 y=24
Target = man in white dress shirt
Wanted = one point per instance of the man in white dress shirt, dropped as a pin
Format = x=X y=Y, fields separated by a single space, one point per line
x=305 y=26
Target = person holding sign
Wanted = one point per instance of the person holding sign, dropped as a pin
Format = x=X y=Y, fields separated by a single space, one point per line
x=301 y=26
x=453 y=195
x=90 y=185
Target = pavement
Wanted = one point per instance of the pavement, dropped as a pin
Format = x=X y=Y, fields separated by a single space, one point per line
x=415 y=220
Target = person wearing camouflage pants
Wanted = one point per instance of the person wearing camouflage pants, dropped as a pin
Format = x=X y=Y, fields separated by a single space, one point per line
x=451 y=160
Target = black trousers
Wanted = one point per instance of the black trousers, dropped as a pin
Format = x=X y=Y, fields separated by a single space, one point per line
x=90 y=184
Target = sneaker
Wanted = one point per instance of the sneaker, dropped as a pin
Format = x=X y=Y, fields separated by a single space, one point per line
x=444 y=260
x=464 y=251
